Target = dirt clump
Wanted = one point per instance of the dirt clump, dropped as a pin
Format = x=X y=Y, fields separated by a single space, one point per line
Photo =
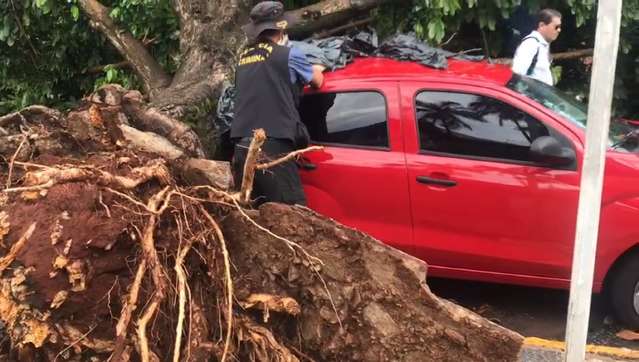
x=119 y=246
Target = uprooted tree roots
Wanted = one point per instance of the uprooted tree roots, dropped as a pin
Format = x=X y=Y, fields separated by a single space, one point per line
x=118 y=245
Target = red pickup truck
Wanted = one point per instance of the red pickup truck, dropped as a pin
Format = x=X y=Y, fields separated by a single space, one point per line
x=474 y=170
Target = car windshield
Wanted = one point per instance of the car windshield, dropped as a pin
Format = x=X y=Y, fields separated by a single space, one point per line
x=622 y=136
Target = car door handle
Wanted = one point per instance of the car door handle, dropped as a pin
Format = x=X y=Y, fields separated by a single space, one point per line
x=307 y=166
x=436 y=181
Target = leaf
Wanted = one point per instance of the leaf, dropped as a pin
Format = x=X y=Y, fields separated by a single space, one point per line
x=115 y=13
x=111 y=74
x=41 y=3
x=419 y=30
x=75 y=12
x=4 y=31
x=628 y=335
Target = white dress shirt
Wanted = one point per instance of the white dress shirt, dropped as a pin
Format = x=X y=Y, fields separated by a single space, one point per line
x=525 y=54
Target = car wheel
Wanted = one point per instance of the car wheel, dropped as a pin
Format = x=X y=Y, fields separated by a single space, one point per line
x=624 y=292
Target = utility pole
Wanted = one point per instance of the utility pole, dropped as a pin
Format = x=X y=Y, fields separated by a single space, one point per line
x=592 y=177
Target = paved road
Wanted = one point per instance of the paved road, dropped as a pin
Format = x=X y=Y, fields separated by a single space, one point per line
x=546 y=355
x=533 y=312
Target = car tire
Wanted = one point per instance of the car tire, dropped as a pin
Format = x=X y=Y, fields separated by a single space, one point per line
x=624 y=291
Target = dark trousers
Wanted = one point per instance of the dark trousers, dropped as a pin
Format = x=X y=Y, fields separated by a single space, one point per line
x=280 y=183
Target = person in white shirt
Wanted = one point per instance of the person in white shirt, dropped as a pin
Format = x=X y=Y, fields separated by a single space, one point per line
x=532 y=57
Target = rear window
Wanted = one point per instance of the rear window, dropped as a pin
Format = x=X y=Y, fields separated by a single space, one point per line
x=348 y=119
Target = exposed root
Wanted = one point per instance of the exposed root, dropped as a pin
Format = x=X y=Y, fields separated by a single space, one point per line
x=195 y=315
x=157 y=204
x=74 y=343
x=229 y=282
x=143 y=321
x=290 y=156
x=16 y=248
x=264 y=345
x=291 y=244
x=181 y=286
x=313 y=261
x=20 y=115
x=5 y=226
x=13 y=159
x=259 y=136
x=267 y=303
x=127 y=310
x=106 y=208
x=47 y=177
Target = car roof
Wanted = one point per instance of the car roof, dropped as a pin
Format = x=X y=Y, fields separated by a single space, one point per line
x=384 y=68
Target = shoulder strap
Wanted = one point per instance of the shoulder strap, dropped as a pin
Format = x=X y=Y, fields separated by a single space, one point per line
x=533 y=63
x=530 y=37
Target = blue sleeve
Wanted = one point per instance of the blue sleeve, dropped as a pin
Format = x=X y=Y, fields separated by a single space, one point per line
x=300 y=69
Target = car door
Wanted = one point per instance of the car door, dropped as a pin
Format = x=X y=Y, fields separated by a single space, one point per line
x=481 y=207
x=360 y=177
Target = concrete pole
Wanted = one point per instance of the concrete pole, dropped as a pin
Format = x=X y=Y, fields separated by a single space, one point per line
x=588 y=212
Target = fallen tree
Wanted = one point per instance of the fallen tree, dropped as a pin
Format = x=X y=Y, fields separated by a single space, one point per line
x=118 y=244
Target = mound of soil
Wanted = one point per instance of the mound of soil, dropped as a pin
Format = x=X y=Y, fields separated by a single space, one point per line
x=121 y=244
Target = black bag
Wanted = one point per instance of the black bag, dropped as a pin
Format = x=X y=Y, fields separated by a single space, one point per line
x=302 y=138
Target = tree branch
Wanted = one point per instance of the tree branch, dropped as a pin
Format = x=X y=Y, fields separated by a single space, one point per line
x=327 y=14
x=341 y=28
x=101 y=68
x=573 y=54
x=148 y=69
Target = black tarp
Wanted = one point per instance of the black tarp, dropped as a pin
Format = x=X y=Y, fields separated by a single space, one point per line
x=336 y=52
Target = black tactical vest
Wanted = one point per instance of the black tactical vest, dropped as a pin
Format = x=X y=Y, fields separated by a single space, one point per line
x=266 y=97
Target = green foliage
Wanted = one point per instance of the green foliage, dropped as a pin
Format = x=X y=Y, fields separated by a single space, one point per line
x=432 y=19
x=47 y=47
x=488 y=25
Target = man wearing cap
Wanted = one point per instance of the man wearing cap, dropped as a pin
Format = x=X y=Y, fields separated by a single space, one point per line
x=269 y=80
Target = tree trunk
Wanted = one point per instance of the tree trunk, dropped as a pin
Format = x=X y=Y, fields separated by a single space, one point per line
x=150 y=72
x=210 y=37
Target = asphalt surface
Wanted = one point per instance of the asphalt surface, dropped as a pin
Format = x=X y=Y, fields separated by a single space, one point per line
x=546 y=355
x=532 y=312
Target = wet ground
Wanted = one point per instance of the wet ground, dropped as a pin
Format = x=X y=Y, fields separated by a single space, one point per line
x=533 y=312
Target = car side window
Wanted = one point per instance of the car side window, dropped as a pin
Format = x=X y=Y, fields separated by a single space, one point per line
x=350 y=118
x=473 y=125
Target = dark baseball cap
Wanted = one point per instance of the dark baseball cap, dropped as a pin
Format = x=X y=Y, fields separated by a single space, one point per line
x=266 y=15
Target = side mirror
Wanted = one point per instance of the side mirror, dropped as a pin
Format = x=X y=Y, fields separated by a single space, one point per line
x=547 y=150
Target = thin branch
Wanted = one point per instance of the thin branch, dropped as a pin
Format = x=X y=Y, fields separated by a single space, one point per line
x=289 y=156
x=464 y=52
x=128 y=198
x=75 y=342
x=13 y=159
x=449 y=40
x=24 y=34
x=573 y=54
x=290 y=244
x=259 y=136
